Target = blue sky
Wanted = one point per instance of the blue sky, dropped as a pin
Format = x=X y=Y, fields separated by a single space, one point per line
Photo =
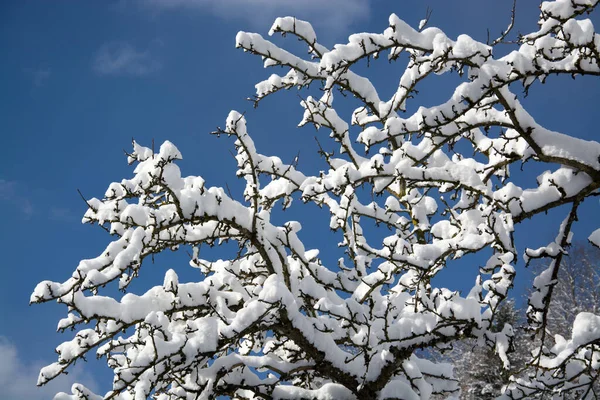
x=81 y=79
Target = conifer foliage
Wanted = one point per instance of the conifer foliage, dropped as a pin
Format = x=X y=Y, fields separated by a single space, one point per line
x=577 y=289
x=273 y=321
x=480 y=373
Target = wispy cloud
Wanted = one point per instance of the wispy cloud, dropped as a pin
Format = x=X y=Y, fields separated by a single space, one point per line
x=38 y=75
x=7 y=189
x=9 y=194
x=329 y=15
x=18 y=379
x=61 y=214
x=121 y=58
x=30 y=200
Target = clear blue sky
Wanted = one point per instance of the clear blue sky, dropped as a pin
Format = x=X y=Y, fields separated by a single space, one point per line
x=79 y=80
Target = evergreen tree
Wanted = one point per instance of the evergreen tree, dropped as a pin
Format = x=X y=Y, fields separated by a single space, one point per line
x=481 y=373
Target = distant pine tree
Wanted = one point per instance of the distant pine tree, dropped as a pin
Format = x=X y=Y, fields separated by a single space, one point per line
x=479 y=370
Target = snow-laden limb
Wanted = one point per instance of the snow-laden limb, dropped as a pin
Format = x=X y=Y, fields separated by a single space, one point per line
x=570 y=366
x=182 y=327
x=272 y=320
x=594 y=238
x=78 y=392
x=303 y=30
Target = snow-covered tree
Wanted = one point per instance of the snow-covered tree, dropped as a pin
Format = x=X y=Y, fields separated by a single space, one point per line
x=481 y=374
x=273 y=320
x=577 y=289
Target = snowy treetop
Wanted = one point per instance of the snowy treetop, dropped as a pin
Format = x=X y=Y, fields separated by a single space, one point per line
x=273 y=321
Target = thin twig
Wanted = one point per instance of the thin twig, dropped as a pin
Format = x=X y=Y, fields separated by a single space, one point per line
x=509 y=28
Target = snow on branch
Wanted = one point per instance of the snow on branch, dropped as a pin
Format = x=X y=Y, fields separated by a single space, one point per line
x=273 y=320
